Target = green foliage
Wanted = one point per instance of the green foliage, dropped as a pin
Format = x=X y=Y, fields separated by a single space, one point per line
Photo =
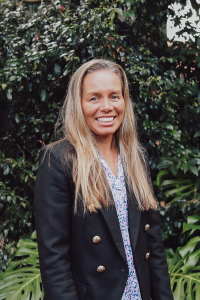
x=168 y=117
x=181 y=185
x=39 y=52
x=17 y=203
x=173 y=216
x=22 y=279
x=184 y=264
x=6 y=253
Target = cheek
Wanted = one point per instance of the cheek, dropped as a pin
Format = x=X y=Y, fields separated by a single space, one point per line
x=88 y=112
x=122 y=108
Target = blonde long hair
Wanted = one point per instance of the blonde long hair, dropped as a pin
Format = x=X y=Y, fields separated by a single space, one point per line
x=91 y=185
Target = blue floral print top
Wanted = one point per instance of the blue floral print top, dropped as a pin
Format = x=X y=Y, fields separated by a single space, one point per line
x=118 y=187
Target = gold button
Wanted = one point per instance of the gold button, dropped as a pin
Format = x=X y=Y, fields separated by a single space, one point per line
x=146 y=227
x=96 y=239
x=147 y=255
x=101 y=269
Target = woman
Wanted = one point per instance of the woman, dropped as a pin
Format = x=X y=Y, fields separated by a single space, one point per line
x=97 y=226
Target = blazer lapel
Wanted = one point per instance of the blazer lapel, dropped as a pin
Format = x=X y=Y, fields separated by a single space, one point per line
x=111 y=218
x=134 y=215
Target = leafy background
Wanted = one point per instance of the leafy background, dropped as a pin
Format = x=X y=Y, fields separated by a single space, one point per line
x=42 y=45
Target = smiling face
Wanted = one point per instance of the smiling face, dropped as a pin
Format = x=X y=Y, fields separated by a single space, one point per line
x=102 y=102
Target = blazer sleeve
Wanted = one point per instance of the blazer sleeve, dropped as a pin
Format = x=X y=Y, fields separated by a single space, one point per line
x=53 y=208
x=159 y=275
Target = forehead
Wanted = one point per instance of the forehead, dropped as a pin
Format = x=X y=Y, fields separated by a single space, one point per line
x=101 y=80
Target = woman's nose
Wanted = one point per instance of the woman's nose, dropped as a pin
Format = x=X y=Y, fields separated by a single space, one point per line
x=106 y=105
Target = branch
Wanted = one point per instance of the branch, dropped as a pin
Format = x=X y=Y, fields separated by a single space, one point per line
x=21 y=151
x=47 y=19
x=2 y=242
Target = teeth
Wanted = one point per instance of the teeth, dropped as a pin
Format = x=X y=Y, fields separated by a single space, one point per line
x=105 y=119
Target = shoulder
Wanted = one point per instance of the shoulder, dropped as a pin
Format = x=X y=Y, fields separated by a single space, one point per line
x=59 y=147
x=60 y=153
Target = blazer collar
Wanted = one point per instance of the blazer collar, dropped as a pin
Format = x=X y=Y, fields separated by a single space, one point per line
x=111 y=218
x=134 y=215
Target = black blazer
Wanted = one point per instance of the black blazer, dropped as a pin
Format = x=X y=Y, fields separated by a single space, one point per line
x=68 y=256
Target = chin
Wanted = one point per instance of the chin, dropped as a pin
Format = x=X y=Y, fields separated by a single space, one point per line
x=105 y=134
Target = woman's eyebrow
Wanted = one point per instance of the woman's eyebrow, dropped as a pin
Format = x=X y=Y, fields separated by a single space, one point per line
x=93 y=93
x=98 y=92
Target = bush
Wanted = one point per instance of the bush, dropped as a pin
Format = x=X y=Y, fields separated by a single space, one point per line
x=40 y=52
x=172 y=217
x=17 y=195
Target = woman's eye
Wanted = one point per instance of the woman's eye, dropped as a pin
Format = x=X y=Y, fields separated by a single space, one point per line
x=114 y=97
x=94 y=99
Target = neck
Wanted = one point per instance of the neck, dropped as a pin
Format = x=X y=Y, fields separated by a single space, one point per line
x=105 y=144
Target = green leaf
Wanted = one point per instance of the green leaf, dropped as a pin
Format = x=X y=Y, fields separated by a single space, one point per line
x=169 y=252
x=67 y=67
x=43 y=95
x=179 y=189
x=190 y=246
x=182 y=79
x=194 y=161
x=34 y=235
x=57 y=69
x=164 y=164
x=184 y=269
x=17 y=118
x=131 y=14
x=169 y=255
x=187 y=227
x=12 y=78
x=174 y=182
x=197 y=134
x=173 y=169
x=160 y=176
x=167 y=125
x=64 y=54
x=128 y=2
x=185 y=168
x=197 y=59
x=193 y=169
x=112 y=15
x=5 y=169
x=151 y=17
x=118 y=10
x=192 y=51
x=183 y=58
x=4 y=86
x=193 y=219
x=198 y=42
x=9 y=96
x=169 y=83
x=22 y=277
x=191 y=262
x=199 y=96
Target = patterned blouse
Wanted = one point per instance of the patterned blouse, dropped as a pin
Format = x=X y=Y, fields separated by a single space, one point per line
x=118 y=187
